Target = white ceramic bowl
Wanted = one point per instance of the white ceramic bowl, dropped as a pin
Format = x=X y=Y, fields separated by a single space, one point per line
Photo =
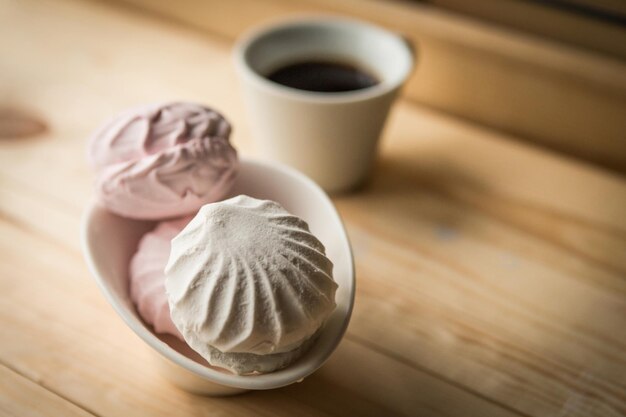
x=109 y=241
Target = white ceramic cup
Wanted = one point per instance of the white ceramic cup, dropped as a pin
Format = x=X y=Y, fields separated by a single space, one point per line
x=331 y=137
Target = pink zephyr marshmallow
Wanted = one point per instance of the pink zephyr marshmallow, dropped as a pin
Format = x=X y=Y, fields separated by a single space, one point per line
x=147 y=276
x=163 y=161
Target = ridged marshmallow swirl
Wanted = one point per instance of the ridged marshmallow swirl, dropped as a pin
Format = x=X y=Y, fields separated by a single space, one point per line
x=163 y=161
x=247 y=277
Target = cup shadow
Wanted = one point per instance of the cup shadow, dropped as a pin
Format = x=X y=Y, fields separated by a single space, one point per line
x=441 y=197
x=362 y=379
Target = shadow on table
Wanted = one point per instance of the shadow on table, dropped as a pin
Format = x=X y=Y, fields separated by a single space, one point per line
x=409 y=195
x=403 y=174
x=354 y=382
x=361 y=378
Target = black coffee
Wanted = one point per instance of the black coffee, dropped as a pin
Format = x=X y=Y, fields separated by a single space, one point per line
x=323 y=76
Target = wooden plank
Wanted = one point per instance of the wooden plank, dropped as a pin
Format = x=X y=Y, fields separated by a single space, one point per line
x=498 y=268
x=430 y=335
x=115 y=362
x=20 y=397
x=563 y=24
x=536 y=90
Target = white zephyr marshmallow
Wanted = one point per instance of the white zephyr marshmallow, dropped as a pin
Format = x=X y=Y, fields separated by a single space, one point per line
x=248 y=285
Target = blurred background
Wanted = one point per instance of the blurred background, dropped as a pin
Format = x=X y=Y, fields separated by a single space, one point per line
x=547 y=71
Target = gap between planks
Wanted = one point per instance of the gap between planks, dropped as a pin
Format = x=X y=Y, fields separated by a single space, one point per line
x=353 y=337
x=81 y=409
x=376 y=348
x=33 y=230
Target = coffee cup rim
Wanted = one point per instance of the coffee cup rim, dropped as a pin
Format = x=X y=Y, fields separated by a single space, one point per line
x=246 y=41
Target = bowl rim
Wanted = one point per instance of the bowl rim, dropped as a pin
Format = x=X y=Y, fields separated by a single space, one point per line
x=255 y=382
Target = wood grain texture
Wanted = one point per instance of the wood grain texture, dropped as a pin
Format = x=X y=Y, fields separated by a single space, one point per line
x=20 y=397
x=490 y=273
x=536 y=90
x=120 y=374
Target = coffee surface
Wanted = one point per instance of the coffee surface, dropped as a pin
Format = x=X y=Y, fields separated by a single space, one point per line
x=323 y=76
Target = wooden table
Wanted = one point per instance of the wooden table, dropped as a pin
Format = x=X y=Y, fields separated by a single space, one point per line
x=491 y=274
